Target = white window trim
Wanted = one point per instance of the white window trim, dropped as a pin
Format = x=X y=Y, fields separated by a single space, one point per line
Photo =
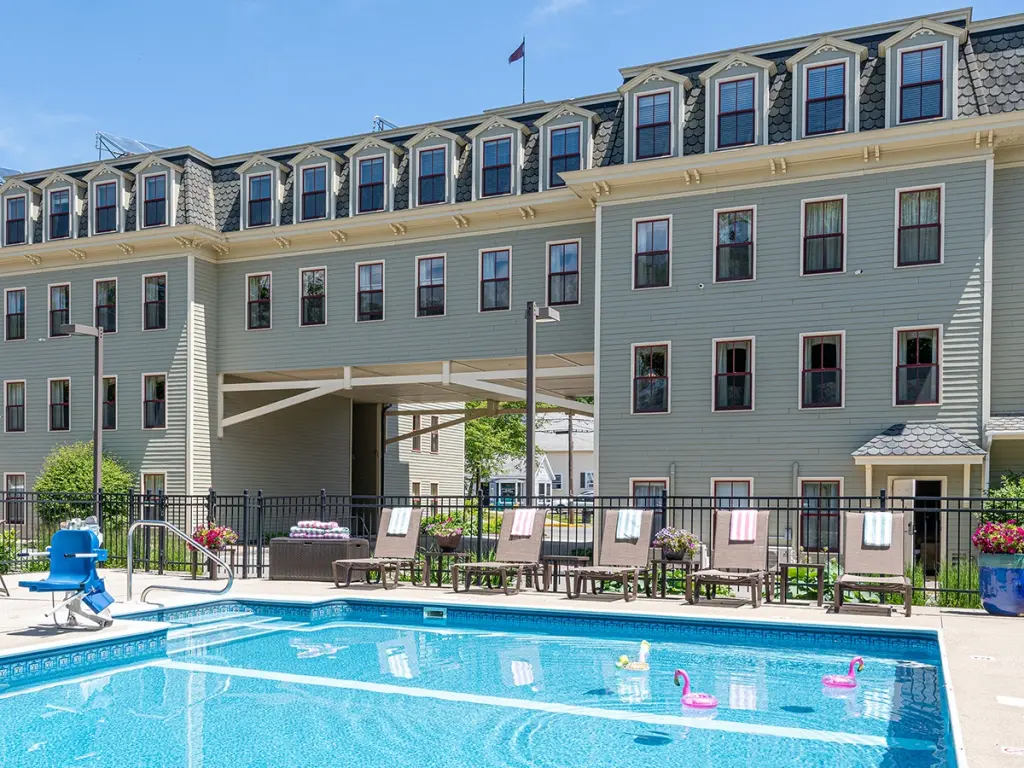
x=49 y=308
x=674 y=123
x=949 y=89
x=142 y=302
x=557 y=477
x=72 y=215
x=3 y=512
x=941 y=186
x=142 y=404
x=632 y=377
x=584 y=486
x=515 y=159
x=117 y=402
x=24 y=401
x=714 y=244
x=800 y=495
x=753 y=373
x=245 y=320
x=851 y=100
x=117 y=303
x=634 y=480
x=632 y=255
x=328 y=191
x=15 y=474
x=28 y=219
x=140 y=212
x=388 y=182
x=275 y=203
x=49 y=423
x=383 y=289
x=449 y=174
x=148 y=472
x=118 y=206
x=586 y=150
x=896 y=357
x=748 y=480
x=416 y=287
x=579 y=269
x=761 y=86
x=303 y=270
x=846 y=233
x=25 y=304
x=842 y=375
x=480 y=280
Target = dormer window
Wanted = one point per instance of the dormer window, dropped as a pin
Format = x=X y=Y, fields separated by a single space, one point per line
x=154 y=190
x=373 y=164
x=432 y=175
x=371 y=184
x=498 y=157
x=566 y=139
x=261 y=208
x=826 y=99
x=315 y=171
x=921 y=84
x=653 y=125
x=736 y=113
x=921 y=72
x=654 y=116
x=106 y=207
x=497 y=167
x=314 y=193
x=736 y=101
x=60 y=214
x=14 y=220
x=826 y=87
x=565 y=153
x=434 y=157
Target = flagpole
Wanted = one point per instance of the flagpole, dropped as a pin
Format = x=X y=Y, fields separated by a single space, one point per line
x=524 y=69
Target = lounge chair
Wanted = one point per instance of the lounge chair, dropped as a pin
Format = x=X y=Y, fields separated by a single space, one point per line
x=515 y=556
x=74 y=555
x=736 y=563
x=392 y=552
x=872 y=569
x=620 y=560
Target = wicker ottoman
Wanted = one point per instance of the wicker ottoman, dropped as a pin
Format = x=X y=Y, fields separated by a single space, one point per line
x=312 y=559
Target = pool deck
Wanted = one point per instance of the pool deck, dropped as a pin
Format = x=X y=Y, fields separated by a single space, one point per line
x=983 y=653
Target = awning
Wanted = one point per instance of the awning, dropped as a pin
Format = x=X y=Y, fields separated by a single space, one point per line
x=927 y=443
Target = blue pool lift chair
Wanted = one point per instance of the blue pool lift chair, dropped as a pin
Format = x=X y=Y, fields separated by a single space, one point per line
x=74 y=555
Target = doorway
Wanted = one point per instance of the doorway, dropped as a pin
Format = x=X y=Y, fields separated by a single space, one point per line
x=921 y=501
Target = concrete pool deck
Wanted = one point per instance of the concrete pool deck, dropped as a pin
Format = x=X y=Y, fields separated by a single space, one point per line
x=983 y=653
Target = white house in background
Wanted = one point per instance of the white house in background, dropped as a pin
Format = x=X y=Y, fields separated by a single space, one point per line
x=510 y=481
x=553 y=440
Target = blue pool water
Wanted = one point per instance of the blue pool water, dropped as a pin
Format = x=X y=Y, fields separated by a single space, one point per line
x=372 y=685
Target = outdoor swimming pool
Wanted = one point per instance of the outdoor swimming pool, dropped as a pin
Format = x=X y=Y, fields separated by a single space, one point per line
x=373 y=684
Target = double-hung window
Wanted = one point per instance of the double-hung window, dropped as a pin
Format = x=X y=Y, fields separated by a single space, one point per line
x=106 y=207
x=14 y=406
x=154 y=401
x=563 y=273
x=495 y=282
x=261 y=207
x=435 y=437
x=258 y=302
x=314 y=297
x=60 y=308
x=823 y=236
x=920 y=228
x=731 y=494
x=565 y=154
x=920 y=84
x=314 y=193
x=653 y=125
x=821 y=375
x=15 y=506
x=650 y=378
x=60 y=405
x=734 y=375
x=417 y=442
x=154 y=303
x=14 y=314
x=734 y=247
x=819 y=515
x=60 y=214
x=154 y=212
x=432 y=186
x=430 y=286
x=826 y=99
x=110 y=402
x=736 y=113
x=106 y=305
x=917 y=366
x=371 y=184
x=651 y=259
x=497 y=167
x=649 y=494
x=370 y=292
x=14 y=221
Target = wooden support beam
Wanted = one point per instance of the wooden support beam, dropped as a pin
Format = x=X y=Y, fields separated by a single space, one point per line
x=425 y=430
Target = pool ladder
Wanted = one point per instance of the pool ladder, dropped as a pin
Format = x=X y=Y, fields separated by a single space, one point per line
x=192 y=543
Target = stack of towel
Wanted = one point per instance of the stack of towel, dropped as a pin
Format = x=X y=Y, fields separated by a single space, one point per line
x=314 y=529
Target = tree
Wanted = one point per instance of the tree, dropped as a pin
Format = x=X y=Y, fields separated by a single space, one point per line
x=491 y=441
x=65 y=483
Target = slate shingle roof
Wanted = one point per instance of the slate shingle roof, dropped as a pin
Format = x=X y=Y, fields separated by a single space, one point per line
x=1006 y=422
x=918 y=440
x=999 y=70
x=872 y=88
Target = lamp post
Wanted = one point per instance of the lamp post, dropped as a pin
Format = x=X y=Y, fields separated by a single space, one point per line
x=534 y=315
x=78 y=329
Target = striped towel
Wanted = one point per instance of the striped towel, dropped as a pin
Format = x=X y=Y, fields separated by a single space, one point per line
x=878 y=530
x=628 y=526
x=522 y=524
x=522 y=673
x=743 y=526
x=398 y=525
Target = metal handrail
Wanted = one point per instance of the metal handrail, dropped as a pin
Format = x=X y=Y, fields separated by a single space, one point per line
x=192 y=543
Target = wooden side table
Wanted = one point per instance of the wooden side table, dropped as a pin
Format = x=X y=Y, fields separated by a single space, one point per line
x=432 y=556
x=784 y=572
x=551 y=567
x=659 y=573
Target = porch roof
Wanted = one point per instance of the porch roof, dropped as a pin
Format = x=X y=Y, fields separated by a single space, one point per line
x=1006 y=422
x=916 y=442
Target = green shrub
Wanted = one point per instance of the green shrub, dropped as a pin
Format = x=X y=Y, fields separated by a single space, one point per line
x=1005 y=502
x=65 y=484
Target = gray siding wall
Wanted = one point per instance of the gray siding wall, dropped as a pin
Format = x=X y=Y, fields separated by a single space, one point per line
x=1007 y=456
x=778 y=441
x=403 y=466
x=1008 y=291
x=128 y=354
x=463 y=332
x=203 y=374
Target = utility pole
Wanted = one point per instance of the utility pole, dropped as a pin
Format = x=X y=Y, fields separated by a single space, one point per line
x=572 y=510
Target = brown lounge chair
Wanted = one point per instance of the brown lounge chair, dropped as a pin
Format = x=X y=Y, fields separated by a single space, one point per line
x=620 y=560
x=518 y=556
x=736 y=563
x=391 y=554
x=872 y=569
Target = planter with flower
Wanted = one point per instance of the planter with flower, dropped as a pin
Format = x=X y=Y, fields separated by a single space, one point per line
x=214 y=537
x=447 y=531
x=1001 y=567
x=676 y=544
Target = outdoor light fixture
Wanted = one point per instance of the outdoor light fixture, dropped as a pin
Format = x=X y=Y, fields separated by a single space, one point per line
x=78 y=329
x=534 y=315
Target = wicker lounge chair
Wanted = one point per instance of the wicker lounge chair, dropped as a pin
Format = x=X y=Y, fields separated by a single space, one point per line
x=736 y=563
x=391 y=554
x=872 y=569
x=516 y=556
x=620 y=560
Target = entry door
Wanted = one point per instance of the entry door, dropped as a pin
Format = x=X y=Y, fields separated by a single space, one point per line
x=902 y=491
x=921 y=504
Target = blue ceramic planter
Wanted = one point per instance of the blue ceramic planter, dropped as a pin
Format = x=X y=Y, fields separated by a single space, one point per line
x=1001 y=583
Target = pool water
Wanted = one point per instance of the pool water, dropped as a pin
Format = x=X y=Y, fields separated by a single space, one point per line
x=246 y=688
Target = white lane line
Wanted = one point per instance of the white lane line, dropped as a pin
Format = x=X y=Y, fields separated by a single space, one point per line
x=756 y=729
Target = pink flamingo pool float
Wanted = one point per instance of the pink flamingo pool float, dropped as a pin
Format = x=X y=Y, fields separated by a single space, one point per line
x=694 y=700
x=849 y=680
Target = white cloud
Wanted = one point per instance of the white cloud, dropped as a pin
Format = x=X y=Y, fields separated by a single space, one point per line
x=555 y=7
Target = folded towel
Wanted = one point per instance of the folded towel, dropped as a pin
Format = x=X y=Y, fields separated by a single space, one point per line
x=398 y=525
x=878 y=530
x=628 y=526
x=743 y=526
x=522 y=524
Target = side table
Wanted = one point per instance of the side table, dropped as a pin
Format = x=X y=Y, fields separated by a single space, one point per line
x=434 y=556
x=784 y=572
x=551 y=567
x=659 y=572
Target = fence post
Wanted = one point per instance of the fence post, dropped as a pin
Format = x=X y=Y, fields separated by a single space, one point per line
x=259 y=535
x=323 y=505
x=881 y=499
x=211 y=506
x=480 y=500
x=245 y=531
x=99 y=507
x=162 y=535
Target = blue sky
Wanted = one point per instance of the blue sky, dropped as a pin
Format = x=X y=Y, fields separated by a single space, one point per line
x=231 y=76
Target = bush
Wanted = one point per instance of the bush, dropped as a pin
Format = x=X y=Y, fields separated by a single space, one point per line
x=1005 y=502
x=64 y=486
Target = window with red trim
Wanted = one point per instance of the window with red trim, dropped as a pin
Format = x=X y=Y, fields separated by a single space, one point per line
x=920 y=228
x=917 y=367
x=651 y=259
x=650 y=379
x=734 y=251
x=734 y=375
x=736 y=113
x=821 y=377
x=823 y=237
x=819 y=515
x=314 y=193
x=921 y=84
x=653 y=125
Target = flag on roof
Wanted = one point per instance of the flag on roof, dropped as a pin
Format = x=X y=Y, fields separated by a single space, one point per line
x=518 y=53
